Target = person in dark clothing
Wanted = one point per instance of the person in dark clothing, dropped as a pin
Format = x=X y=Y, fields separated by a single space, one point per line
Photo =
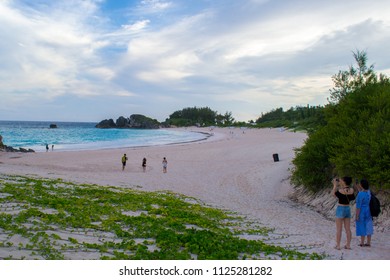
x=345 y=193
x=144 y=164
x=124 y=159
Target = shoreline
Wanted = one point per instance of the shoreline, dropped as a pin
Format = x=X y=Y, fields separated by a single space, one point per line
x=232 y=170
x=140 y=146
x=72 y=138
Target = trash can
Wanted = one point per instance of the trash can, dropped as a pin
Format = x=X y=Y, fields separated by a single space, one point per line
x=276 y=157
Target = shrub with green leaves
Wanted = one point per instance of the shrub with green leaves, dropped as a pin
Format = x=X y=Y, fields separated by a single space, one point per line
x=361 y=146
x=356 y=138
x=54 y=219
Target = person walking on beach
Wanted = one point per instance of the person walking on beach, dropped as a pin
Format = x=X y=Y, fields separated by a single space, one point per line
x=364 y=226
x=144 y=164
x=124 y=159
x=345 y=194
x=165 y=165
x=47 y=147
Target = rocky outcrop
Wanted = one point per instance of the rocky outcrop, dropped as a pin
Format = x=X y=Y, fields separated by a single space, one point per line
x=53 y=125
x=106 y=124
x=1 y=142
x=134 y=121
x=140 y=121
x=6 y=148
x=122 y=122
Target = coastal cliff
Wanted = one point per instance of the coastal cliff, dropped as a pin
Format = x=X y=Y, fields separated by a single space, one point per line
x=134 y=121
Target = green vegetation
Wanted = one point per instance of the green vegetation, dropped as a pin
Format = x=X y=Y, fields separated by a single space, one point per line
x=307 y=118
x=200 y=117
x=355 y=139
x=54 y=219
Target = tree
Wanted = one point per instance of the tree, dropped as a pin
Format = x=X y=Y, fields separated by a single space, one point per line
x=299 y=117
x=193 y=116
x=228 y=118
x=349 y=80
x=355 y=139
x=361 y=146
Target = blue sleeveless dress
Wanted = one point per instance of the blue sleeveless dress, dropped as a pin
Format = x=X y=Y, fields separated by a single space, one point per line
x=364 y=225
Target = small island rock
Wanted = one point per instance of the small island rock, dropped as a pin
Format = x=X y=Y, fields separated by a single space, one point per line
x=106 y=124
x=134 y=121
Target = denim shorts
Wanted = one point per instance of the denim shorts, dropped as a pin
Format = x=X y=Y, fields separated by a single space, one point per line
x=343 y=211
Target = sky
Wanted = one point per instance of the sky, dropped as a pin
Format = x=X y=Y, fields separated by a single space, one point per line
x=89 y=60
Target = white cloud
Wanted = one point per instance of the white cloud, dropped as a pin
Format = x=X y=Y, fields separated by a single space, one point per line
x=49 y=52
x=139 y=25
x=102 y=73
x=125 y=93
x=240 y=56
x=154 y=6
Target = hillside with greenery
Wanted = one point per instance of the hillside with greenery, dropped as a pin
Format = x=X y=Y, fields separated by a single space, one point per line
x=203 y=116
x=307 y=118
x=354 y=139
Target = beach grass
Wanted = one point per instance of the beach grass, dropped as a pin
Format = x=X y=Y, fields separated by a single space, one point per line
x=54 y=219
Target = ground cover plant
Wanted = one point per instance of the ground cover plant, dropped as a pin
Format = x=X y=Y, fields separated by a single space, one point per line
x=54 y=219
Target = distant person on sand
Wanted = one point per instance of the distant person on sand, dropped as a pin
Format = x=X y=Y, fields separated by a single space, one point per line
x=364 y=226
x=52 y=147
x=47 y=147
x=165 y=165
x=144 y=164
x=345 y=194
x=124 y=159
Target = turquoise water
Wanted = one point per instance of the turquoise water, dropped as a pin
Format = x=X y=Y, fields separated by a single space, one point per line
x=84 y=136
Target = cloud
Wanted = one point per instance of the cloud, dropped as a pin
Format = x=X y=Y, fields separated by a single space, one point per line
x=283 y=60
x=241 y=56
x=168 y=54
x=154 y=6
x=139 y=25
x=49 y=52
x=124 y=93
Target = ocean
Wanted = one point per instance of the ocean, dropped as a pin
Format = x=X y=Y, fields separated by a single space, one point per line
x=73 y=136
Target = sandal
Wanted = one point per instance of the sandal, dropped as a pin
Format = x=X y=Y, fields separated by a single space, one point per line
x=361 y=245
x=337 y=248
x=367 y=245
x=348 y=248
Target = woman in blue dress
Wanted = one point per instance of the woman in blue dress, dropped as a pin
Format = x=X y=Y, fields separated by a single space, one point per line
x=364 y=226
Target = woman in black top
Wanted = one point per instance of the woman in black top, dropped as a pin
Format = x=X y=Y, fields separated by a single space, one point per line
x=345 y=194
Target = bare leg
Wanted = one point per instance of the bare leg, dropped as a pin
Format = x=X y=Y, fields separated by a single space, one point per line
x=347 y=226
x=362 y=240
x=339 y=224
x=368 y=240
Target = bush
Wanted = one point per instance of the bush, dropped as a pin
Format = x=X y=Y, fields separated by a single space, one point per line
x=362 y=145
x=355 y=137
x=355 y=141
x=312 y=167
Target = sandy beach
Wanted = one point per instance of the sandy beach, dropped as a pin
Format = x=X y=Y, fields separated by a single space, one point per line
x=233 y=169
